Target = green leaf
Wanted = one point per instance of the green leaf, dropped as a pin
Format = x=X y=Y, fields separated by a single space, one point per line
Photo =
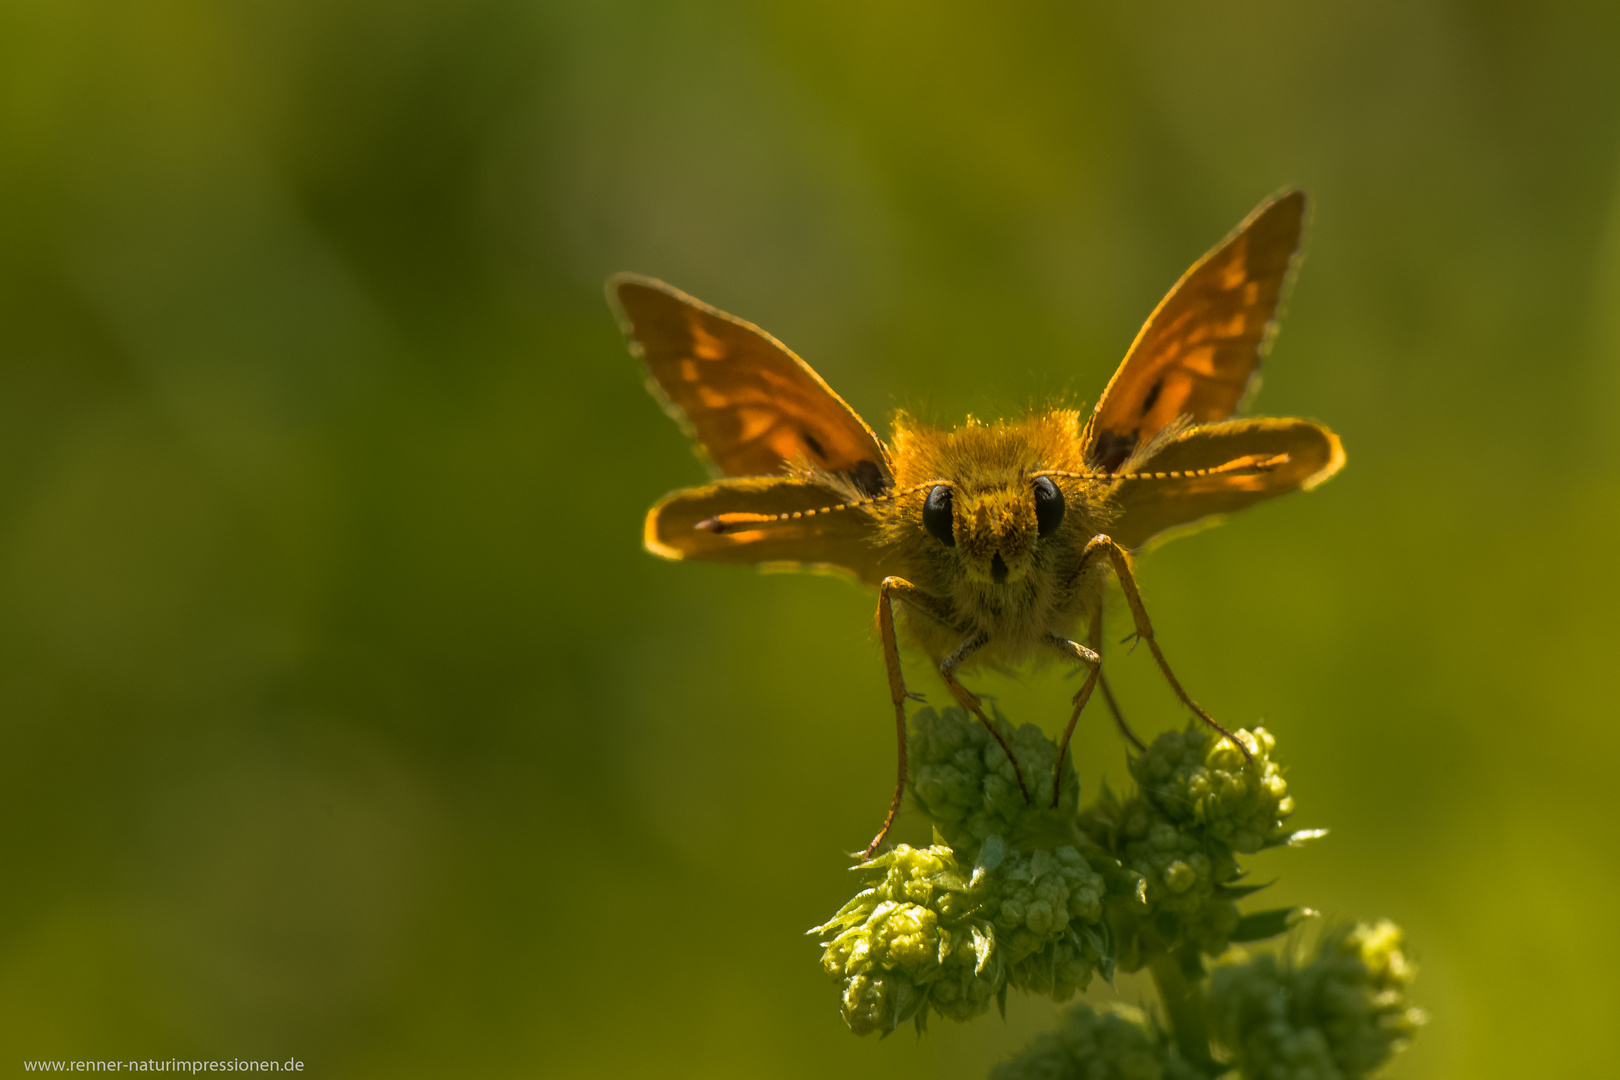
x=1265 y=924
x=1238 y=892
x=1109 y=952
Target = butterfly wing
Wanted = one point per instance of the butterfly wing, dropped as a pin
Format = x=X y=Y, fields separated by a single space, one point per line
x=748 y=401
x=1201 y=346
x=1242 y=462
x=719 y=523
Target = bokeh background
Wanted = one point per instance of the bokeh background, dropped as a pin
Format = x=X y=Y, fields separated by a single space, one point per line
x=342 y=716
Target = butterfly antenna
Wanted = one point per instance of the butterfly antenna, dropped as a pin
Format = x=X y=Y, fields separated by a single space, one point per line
x=721 y=523
x=1247 y=463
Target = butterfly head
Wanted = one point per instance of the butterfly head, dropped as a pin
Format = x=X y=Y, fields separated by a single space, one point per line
x=994 y=528
x=984 y=512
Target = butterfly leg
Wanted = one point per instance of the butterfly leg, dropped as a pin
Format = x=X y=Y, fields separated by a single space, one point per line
x=970 y=701
x=891 y=589
x=1119 y=718
x=1091 y=659
x=897 y=694
x=1108 y=694
x=1103 y=545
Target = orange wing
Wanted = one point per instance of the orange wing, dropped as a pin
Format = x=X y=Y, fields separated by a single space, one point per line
x=1198 y=350
x=749 y=402
x=1242 y=462
x=713 y=523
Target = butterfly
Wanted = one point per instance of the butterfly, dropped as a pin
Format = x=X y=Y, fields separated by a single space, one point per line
x=989 y=543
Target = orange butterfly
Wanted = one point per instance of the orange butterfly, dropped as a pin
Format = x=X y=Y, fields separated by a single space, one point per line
x=996 y=538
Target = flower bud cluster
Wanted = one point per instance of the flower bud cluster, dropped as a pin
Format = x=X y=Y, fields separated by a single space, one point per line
x=1018 y=894
x=1341 y=1014
x=962 y=780
x=1199 y=803
x=928 y=936
x=1120 y=1044
x=1198 y=780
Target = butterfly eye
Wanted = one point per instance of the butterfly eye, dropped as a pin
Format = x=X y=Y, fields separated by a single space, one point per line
x=1048 y=505
x=937 y=516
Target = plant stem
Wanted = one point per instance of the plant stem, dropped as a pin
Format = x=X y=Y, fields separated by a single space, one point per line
x=1184 y=1006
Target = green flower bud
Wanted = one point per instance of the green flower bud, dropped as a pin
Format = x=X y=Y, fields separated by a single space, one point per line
x=1198 y=779
x=1118 y=1045
x=1049 y=920
x=914 y=940
x=1167 y=885
x=963 y=781
x=928 y=937
x=1340 y=1016
x=1199 y=803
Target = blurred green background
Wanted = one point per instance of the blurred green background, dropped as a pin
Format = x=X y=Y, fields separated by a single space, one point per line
x=342 y=716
